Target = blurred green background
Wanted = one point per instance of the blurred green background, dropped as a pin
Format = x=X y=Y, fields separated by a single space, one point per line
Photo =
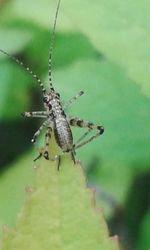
x=101 y=47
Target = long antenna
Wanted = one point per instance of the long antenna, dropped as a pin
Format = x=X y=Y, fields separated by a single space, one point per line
x=51 y=49
x=26 y=68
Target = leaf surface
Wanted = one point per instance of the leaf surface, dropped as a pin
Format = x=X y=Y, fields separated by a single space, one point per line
x=58 y=213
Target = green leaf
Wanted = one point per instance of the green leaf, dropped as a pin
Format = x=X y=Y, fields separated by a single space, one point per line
x=69 y=47
x=110 y=100
x=121 y=36
x=14 y=94
x=13 y=40
x=12 y=185
x=58 y=213
x=13 y=81
x=41 y=14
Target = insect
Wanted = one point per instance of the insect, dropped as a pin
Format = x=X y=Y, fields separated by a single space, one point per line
x=54 y=114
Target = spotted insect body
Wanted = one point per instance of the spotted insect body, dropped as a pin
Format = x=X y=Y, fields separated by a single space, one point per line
x=59 y=123
x=63 y=134
x=54 y=113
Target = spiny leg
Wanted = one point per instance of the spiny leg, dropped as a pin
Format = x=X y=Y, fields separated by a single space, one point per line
x=57 y=158
x=47 y=140
x=83 y=136
x=38 y=157
x=39 y=130
x=89 y=140
x=68 y=103
x=37 y=114
x=73 y=153
x=76 y=122
x=45 y=153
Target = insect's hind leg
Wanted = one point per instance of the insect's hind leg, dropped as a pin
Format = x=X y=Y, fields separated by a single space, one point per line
x=76 y=122
x=73 y=153
x=83 y=136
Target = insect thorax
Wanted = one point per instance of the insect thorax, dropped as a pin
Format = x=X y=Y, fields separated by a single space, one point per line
x=62 y=131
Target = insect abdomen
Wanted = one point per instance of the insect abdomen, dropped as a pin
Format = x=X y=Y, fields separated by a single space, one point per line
x=63 y=134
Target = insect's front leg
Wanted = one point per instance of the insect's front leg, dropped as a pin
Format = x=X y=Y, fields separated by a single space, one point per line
x=77 y=122
x=39 y=131
x=37 y=114
x=39 y=156
x=57 y=158
x=47 y=140
x=68 y=103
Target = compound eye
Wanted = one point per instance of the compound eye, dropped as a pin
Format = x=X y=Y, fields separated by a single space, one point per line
x=45 y=99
